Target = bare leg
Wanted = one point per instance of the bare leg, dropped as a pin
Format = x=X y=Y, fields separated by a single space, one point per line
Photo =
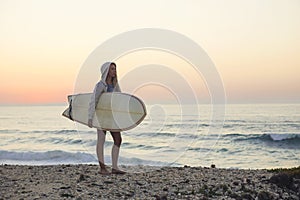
x=115 y=152
x=115 y=156
x=100 y=151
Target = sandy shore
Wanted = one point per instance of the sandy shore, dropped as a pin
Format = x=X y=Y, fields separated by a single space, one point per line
x=84 y=182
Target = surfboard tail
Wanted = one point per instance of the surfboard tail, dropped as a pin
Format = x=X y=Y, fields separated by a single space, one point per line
x=68 y=112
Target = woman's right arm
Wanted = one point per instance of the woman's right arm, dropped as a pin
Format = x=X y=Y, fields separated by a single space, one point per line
x=98 y=90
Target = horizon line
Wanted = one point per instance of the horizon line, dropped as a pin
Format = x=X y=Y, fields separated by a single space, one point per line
x=164 y=103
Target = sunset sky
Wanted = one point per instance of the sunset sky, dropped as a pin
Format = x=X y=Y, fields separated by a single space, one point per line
x=254 y=44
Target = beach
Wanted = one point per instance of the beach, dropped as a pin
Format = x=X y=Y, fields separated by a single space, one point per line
x=141 y=182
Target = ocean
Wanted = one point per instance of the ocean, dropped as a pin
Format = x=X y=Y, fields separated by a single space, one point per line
x=253 y=136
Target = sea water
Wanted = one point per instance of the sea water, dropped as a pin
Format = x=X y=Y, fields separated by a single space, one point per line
x=250 y=136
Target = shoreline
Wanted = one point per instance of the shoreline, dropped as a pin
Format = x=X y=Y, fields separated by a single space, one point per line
x=82 y=181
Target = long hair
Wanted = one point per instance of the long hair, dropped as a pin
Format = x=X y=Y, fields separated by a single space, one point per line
x=115 y=79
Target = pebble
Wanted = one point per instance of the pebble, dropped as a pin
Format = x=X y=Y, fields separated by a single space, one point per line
x=84 y=182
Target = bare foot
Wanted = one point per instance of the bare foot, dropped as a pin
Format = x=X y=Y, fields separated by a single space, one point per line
x=104 y=171
x=117 y=171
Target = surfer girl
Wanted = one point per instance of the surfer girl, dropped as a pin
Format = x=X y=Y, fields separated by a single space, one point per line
x=108 y=83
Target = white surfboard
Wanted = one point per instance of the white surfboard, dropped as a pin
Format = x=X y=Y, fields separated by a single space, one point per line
x=115 y=111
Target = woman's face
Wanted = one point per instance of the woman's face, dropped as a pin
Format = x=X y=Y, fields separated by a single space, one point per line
x=112 y=71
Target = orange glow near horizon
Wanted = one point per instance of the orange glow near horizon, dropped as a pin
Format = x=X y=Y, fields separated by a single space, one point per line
x=34 y=85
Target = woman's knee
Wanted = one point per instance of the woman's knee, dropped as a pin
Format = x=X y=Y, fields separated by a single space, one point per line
x=117 y=138
x=118 y=141
x=101 y=136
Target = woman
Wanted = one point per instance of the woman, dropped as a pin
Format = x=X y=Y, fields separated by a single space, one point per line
x=108 y=83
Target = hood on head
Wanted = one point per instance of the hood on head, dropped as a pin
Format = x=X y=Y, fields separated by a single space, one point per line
x=104 y=71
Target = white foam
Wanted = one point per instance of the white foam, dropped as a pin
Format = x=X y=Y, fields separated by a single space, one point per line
x=62 y=157
x=48 y=157
x=283 y=136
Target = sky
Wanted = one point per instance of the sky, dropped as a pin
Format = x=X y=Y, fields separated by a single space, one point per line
x=254 y=44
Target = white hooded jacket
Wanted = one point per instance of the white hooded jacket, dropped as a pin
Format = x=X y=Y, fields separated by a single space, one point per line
x=100 y=87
